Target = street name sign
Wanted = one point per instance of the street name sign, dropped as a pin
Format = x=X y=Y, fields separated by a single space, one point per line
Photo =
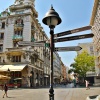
x=72 y=31
x=73 y=38
x=28 y=43
x=72 y=48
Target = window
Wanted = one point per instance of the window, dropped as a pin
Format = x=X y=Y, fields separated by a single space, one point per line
x=1 y=48
x=18 y=33
x=32 y=60
x=91 y=48
x=3 y=25
x=1 y=35
x=16 y=58
x=0 y=59
x=15 y=44
x=19 y=21
x=41 y=65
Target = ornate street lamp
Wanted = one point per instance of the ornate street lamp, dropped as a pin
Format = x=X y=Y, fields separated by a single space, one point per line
x=51 y=19
x=8 y=71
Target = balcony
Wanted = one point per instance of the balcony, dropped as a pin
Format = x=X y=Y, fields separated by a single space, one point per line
x=17 y=38
x=33 y=29
x=14 y=51
x=32 y=39
x=18 y=26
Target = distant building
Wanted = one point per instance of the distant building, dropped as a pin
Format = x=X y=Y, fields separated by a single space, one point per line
x=63 y=73
x=56 y=67
x=88 y=47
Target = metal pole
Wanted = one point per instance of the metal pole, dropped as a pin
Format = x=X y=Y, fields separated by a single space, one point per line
x=51 y=91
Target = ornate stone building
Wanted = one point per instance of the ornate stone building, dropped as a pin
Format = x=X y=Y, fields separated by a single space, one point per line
x=28 y=63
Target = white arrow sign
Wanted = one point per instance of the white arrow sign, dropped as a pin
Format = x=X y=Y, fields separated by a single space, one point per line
x=73 y=48
x=28 y=43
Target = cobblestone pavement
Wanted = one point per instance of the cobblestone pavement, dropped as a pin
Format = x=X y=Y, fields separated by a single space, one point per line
x=42 y=94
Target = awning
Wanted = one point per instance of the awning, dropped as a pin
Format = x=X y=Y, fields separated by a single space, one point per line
x=4 y=77
x=12 y=67
x=46 y=76
x=18 y=79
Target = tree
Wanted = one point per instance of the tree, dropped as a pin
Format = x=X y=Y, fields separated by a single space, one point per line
x=83 y=63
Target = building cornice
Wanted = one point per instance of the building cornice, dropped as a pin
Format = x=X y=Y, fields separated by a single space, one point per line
x=16 y=7
x=15 y=15
x=94 y=11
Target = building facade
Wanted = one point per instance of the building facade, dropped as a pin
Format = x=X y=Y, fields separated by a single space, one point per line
x=28 y=65
x=95 y=23
x=20 y=23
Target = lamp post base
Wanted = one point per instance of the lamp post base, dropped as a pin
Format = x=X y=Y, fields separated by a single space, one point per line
x=51 y=95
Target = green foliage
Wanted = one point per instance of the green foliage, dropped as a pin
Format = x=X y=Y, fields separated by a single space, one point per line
x=83 y=63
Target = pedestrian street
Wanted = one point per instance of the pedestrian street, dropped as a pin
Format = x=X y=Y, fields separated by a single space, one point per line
x=43 y=93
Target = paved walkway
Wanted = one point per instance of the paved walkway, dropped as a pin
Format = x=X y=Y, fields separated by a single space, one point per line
x=42 y=94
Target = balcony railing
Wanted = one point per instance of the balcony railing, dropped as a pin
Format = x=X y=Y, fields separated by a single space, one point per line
x=17 y=37
x=18 y=26
x=32 y=39
x=33 y=28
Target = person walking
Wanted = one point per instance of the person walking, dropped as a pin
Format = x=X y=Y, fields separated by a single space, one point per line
x=5 y=88
x=87 y=84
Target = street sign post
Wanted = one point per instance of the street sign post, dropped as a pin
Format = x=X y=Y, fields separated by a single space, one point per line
x=71 y=48
x=72 y=31
x=73 y=38
x=36 y=44
x=28 y=43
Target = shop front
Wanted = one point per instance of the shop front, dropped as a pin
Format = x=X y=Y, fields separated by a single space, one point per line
x=14 y=72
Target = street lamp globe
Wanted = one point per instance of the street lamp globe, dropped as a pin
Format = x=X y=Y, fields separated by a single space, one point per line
x=52 y=18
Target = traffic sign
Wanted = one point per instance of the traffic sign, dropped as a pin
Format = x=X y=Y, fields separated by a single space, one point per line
x=73 y=48
x=73 y=38
x=72 y=31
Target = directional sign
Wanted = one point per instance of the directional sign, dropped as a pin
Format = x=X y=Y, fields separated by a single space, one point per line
x=73 y=48
x=28 y=43
x=36 y=44
x=73 y=38
x=72 y=31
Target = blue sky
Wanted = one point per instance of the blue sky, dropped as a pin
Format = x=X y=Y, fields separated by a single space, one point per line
x=74 y=14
